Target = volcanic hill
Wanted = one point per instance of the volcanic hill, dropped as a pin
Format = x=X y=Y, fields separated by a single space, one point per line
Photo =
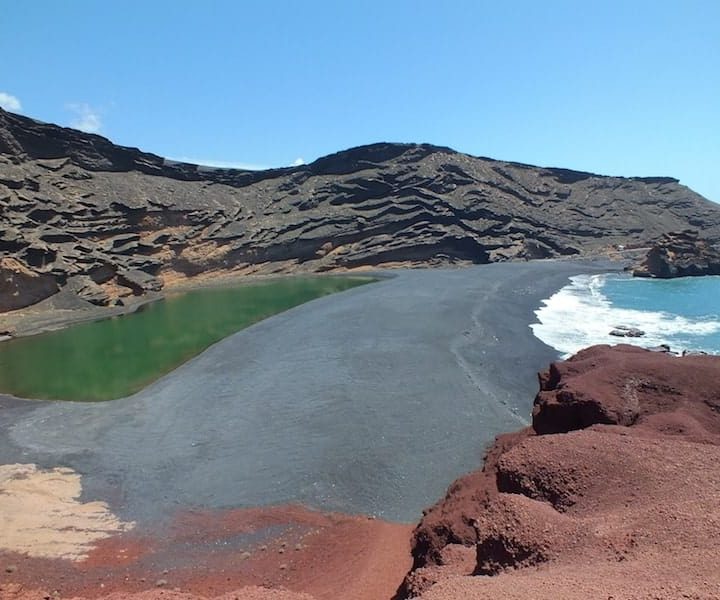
x=103 y=222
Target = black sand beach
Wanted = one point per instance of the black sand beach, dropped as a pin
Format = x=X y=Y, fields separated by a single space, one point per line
x=370 y=401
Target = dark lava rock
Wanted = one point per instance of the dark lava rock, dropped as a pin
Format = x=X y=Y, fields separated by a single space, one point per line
x=682 y=254
x=88 y=290
x=661 y=348
x=625 y=331
x=139 y=282
x=73 y=203
x=21 y=286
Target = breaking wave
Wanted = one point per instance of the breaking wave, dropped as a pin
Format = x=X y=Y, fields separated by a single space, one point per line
x=581 y=315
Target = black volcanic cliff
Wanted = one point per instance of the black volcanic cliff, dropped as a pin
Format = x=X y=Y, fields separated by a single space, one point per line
x=81 y=213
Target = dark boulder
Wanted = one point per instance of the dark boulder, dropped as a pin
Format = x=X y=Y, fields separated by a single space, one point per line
x=625 y=331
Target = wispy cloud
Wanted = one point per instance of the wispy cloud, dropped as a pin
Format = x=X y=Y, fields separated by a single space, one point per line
x=86 y=118
x=9 y=102
x=221 y=164
x=229 y=164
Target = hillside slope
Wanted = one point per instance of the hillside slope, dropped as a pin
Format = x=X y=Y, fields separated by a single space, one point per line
x=106 y=221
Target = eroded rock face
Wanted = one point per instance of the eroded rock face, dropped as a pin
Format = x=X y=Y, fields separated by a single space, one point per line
x=74 y=204
x=619 y=474
x=682 y=254
x=627 y=385
x=21 y=286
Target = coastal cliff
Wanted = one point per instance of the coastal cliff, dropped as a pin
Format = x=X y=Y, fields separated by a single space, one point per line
x=103 y=223
x=612 y=492
x=681 y=254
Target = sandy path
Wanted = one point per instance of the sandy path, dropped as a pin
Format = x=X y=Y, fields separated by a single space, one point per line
x=41 y=514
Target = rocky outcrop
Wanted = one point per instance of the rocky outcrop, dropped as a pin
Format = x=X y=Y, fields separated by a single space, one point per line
x=20 y=286
x=618 y=474
x=625 y=331
x=682 y=254
x=76 y=205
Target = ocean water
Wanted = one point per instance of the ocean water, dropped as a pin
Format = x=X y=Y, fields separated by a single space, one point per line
x=683 y=313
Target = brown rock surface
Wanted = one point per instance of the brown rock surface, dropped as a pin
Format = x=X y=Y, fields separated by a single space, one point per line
x=74 y=204
x=614 y=493
x=682 y=254
x=21 y=286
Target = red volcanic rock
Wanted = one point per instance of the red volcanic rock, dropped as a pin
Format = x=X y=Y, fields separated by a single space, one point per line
x=627 y=385
x=448 y=521
x=612 y=493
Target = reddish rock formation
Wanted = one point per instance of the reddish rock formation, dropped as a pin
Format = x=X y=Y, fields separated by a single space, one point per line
x=626 y=385
x=612 y=492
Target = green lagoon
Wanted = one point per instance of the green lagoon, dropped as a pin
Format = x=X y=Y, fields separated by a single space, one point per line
x=116 y=357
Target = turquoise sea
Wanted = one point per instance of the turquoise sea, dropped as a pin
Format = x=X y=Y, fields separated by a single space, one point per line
x=683 y=313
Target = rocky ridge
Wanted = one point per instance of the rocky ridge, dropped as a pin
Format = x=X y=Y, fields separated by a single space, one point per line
x=102 y=222
x=612 y=492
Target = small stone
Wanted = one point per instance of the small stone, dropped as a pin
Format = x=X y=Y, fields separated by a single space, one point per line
x=283 y=567
x=11 y=568
x=263 y=548
x=161 y=583
x=281 y=551
x=245 y=555
x=298 y=547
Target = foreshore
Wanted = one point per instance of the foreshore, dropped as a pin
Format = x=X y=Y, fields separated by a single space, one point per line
x=368 y=402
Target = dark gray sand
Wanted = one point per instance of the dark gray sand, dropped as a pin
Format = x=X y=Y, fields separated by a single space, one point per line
x=368 y=401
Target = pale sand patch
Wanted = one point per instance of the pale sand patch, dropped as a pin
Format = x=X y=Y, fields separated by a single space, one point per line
x=41 y=514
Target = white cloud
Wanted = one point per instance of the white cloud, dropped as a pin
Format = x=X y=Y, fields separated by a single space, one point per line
x=221 y=164
x=86 y=118
x=228 y=164
x=9 y=102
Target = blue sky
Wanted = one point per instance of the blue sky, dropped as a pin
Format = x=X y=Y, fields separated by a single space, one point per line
x=621 y=88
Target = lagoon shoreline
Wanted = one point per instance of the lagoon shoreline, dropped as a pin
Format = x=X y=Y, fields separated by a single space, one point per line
x=371 y=401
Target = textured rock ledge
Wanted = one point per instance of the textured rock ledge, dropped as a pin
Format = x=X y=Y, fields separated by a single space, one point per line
x=104 y=223
x=683 y=254
x=611 y=493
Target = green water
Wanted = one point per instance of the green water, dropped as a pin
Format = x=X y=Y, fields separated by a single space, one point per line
x=115 y=357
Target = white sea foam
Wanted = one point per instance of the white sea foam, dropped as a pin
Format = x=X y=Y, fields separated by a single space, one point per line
x=580 y=315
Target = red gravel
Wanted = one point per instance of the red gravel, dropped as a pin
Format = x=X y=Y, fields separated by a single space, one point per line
x=211 y=553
